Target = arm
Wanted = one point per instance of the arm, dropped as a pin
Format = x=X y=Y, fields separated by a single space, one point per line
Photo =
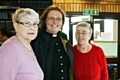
x=104 y=68
x=9 y=63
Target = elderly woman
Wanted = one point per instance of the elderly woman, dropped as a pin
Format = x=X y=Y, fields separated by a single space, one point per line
x=52 y=49
x=17 y=59
x=89 y=60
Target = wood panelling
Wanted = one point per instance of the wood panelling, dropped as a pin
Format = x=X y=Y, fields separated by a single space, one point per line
x=80 y=5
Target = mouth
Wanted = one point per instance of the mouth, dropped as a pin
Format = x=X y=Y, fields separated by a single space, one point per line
x=31 y=33
x=80 y=39
x=54 y=26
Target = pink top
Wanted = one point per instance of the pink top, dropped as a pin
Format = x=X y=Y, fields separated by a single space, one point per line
x=16 y=63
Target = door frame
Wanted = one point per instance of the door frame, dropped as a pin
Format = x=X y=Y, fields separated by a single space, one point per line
x=113 y=16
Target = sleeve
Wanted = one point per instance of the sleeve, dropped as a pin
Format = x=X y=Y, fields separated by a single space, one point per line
x=103 y=65
x=9 y=63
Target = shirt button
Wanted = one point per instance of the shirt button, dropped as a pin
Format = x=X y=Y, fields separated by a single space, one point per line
x=58 y=50
x=61 y=57
x=61 y=70
x=61 y=64
x=56 y=43
x=62 y=77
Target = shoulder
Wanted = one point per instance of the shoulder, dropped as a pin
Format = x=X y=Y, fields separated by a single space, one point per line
x=96 y=47
x=62 y=34
x=98 y=50
x=9 y=45
x=40 y=36
x=74 y=47
x=9 y=50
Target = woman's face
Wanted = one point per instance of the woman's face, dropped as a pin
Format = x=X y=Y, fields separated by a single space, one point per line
x=54 y=21
x=27 y=28
x=82 y=35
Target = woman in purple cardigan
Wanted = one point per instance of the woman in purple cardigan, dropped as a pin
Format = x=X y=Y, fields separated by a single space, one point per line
x=17 y=59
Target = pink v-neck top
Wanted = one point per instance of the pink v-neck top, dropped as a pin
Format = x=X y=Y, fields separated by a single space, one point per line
x=16 y=63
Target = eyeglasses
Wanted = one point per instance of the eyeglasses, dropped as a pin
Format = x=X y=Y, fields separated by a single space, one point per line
x=53 y=19
x=83 y=33
x=28 y=24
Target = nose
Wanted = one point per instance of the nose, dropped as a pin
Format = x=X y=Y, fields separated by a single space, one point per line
x=80 y=34
x=55 y=21
x=31 y=26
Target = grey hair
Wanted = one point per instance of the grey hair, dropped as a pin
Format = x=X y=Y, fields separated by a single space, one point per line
x=21 y=12
x=85 y=24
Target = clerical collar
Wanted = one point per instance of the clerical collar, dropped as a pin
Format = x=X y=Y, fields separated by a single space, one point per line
x=54 y=35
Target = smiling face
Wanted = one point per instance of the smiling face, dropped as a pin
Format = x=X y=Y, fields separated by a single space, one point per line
x=28 y=32
x=54 y=21
x=82 y=35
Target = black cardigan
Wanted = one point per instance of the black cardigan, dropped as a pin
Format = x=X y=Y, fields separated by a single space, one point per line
x=40 y=48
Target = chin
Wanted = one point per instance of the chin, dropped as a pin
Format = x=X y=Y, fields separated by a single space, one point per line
x=81 y=43
x=54 y=32
x=32 y=38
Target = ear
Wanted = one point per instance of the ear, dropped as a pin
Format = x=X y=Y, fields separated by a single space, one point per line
x=90 y=35
x=15 y=25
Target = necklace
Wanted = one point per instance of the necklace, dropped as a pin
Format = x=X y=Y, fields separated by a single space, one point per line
x=29 y=50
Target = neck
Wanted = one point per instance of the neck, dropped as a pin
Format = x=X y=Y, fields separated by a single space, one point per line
x=25 y=43
x=85 y=48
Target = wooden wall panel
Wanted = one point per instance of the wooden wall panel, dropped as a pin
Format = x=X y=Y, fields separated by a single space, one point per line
x=80 y=5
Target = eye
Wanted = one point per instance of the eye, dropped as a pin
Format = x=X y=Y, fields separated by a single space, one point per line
x=58 y=19
x=84 y=33
x=35 y=24
x=26 y=23
x=77 y=32
x=51 y=18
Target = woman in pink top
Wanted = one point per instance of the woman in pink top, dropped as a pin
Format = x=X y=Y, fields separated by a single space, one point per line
x=17 y=59
x=89 y=60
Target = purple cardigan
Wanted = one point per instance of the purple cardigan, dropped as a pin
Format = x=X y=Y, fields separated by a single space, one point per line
x=16 y=63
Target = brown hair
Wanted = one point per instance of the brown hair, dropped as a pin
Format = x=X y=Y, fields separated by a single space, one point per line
x=45 y=13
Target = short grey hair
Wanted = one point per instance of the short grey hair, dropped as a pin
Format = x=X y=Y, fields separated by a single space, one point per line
x=85 y=24
x=21 y=12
